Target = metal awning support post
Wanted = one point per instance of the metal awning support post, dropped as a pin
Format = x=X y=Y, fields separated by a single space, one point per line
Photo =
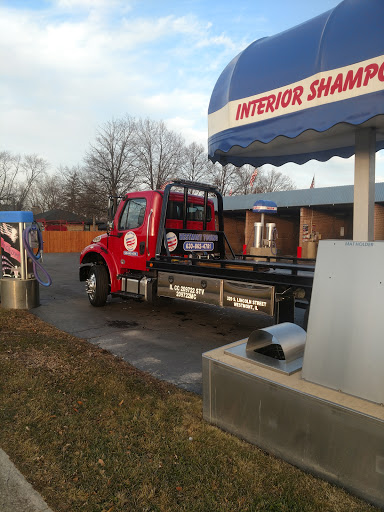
x=364 y=190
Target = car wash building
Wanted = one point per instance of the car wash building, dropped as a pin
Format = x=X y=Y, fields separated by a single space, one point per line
x=302 y=219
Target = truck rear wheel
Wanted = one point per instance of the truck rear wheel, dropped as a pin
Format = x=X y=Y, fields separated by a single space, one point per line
x=98 y=285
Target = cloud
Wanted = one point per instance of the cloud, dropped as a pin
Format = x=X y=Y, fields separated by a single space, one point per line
x=75 y=64
x=336 y=171
x=184 y=102
x=189 y=130
x=221 y=40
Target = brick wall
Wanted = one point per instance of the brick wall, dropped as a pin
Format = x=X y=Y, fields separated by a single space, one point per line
x=290 y=231
x=234 y=229
x=379 y=222
x=327 y=226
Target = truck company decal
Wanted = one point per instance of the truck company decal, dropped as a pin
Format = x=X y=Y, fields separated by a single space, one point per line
x=199 y=237
x=171 y=241
x=246 y=303
x=186 y=292
x=198 y=246
x=320 y=89
x=198 y=241
x=130 y=241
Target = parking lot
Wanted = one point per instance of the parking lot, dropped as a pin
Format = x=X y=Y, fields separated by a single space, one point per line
x=166 y=339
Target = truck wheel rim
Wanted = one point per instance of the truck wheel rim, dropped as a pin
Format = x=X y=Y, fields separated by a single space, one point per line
x=91 y=286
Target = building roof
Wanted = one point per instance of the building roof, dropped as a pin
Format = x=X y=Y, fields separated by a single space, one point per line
x=327 y=196
x=59 y=215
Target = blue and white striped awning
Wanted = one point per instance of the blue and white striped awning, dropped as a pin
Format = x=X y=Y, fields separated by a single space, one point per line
x=301 y=94
x=264 y=206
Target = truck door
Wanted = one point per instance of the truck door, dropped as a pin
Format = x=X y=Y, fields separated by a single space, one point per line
x=130 y=234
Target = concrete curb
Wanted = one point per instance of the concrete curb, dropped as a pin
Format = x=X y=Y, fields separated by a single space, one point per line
x=16 y=494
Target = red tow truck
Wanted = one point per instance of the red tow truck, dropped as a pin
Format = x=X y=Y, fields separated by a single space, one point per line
x=171 y=243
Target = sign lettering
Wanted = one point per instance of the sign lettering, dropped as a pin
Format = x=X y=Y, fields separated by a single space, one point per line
x=326 y=87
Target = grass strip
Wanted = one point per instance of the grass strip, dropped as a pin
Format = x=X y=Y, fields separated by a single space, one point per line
x=92 y=433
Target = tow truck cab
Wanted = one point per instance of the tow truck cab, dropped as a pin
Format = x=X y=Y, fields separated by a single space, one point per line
x=133 y=238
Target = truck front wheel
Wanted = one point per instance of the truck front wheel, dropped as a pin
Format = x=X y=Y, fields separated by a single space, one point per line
x=97 y=285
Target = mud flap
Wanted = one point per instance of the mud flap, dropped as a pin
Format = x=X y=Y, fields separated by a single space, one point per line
x=284 y=309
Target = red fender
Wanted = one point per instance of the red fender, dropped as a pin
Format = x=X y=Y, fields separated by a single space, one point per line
x=98 y=253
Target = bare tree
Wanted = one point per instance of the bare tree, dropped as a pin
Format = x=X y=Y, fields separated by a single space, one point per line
x=46 y=192
x=224 y=177
x=195 y=163
x=72 y=188
x=158 y=153
x=249 y=180
x=274 y=181
x=109 y=160
x=9 y=171
x=246 y=179
x=93 y=200
x=32 y=167
x=17 y=176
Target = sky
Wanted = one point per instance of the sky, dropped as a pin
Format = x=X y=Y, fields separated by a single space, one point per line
x=69 y=66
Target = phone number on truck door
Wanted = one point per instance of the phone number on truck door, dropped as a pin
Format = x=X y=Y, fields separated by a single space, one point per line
x=198 y=246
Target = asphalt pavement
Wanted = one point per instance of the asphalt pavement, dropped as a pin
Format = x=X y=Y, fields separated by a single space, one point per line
x=166 y=339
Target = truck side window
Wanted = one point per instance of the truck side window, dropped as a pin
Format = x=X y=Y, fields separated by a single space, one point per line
x=195 y=212
x=133 y=214
x=175 y=210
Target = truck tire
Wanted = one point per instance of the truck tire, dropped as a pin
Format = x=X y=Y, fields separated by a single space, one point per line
x=98 y=285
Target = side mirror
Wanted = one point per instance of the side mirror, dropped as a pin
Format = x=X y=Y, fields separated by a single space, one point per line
x=111 y=208
x=113 y=201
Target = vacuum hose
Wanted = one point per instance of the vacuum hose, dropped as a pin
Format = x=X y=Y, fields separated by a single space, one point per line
x=35 y=257
x=273 y=241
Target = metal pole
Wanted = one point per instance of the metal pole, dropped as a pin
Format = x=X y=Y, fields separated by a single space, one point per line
x=364 y=190
x=23 y=258
x=262 y=230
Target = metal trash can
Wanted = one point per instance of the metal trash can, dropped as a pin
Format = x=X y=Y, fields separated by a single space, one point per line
x=258 y=242
x=19 y=287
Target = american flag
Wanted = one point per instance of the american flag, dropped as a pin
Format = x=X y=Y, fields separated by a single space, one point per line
x=313 y=182
x=252 y=180
x=165 y=184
